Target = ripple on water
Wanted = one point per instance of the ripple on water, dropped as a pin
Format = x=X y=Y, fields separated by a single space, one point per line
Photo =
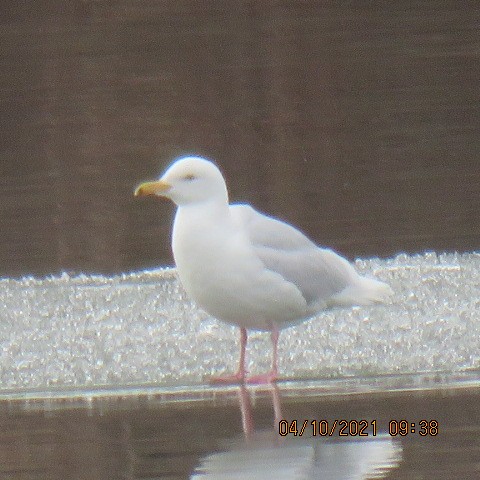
x=140 y=327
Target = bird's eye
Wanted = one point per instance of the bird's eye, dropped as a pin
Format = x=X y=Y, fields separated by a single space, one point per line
x=189 y=177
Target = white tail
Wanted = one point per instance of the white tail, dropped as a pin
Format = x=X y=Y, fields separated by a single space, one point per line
x=375 y=291
x=366 y=291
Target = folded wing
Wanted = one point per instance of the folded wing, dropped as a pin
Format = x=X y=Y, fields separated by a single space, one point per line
x=320 y=274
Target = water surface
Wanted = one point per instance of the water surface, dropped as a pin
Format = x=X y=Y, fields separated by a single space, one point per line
x=357 y=122
x=150 y=437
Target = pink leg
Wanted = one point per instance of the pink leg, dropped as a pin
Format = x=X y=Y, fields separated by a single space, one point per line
x=272 y=376
x=238 y=377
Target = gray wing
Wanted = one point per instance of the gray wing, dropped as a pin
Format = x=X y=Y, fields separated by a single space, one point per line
x=317 y=272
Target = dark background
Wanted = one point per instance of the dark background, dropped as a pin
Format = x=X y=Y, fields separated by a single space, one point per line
x=357 y=121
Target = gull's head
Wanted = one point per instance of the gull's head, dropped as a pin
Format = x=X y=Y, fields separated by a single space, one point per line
x=187 y=181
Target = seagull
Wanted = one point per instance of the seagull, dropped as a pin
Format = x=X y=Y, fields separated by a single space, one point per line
x=248 y=269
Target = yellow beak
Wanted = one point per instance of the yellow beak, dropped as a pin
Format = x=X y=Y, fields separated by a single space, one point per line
x=159 y=187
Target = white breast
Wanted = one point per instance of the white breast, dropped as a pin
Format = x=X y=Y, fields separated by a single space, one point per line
x=219 y=270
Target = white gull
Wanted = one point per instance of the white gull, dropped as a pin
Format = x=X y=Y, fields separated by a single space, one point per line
x=248 y=269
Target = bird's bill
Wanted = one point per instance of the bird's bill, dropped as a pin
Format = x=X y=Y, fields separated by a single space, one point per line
x=158 y=188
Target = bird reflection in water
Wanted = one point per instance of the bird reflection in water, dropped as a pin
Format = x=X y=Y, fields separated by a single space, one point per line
x=264 y=454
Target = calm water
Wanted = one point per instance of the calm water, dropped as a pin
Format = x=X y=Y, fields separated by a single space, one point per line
x=235 y=434
x=356 y=121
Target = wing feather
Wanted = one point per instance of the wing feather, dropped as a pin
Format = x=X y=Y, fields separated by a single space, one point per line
x=318 y=273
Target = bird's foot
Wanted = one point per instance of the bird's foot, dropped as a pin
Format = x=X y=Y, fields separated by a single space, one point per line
x=236 y=378
x=270 y=377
